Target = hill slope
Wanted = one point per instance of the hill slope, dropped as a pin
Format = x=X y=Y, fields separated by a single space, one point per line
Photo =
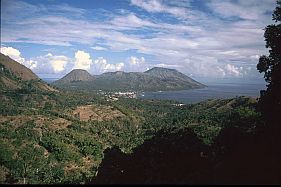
x=155 y=79
x=165 y=73
x=14 y=76
x=173 y=76
x=17 y=69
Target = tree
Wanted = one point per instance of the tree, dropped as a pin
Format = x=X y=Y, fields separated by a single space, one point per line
x=270 y=99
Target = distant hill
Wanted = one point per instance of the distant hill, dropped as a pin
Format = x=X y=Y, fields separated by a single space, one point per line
x=15 y=76
x=75 y=75
x=155 y=79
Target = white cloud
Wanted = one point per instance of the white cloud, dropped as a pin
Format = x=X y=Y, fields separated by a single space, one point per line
x=99 y=48
x=31 y=64
x=255 y=57
x=168 y=66
x=220 y=72
x=210 y=67
x=13 y=53
x=250 y=9
x=57 y=62
x=158 y=6
x=136 y=61
x=203 y=66
x=49 y=64
x=232 y=70
x=119 y=66
x=131 y=20
x=100 y=66
x=136 y=64
x=82 y=60
x=114 y=67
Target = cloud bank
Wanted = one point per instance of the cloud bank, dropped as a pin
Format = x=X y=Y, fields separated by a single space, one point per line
x=59 y=64
x=215 y=39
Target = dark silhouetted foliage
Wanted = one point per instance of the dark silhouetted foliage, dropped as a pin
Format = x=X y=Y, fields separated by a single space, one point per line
x=270 y=100
x=182 y=158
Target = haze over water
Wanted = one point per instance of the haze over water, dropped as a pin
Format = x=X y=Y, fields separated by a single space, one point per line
x=216 y=89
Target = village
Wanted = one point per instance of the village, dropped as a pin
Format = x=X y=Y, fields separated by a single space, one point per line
x=114 y=96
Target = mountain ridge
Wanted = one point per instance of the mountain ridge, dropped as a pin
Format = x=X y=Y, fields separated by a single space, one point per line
x=155 y=79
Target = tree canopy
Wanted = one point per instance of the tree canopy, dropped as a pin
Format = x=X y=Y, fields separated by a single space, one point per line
x=270 y=100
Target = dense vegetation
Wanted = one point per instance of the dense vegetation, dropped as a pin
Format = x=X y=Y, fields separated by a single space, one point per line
x=43 y=142
x=235 y=157
x=270 y=100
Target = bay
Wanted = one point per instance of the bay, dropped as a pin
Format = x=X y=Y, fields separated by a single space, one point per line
x=212 y=91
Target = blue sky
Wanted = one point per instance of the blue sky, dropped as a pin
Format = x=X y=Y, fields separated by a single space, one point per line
x=201 y=38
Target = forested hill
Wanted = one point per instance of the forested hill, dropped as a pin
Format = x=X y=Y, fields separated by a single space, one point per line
x=155 y=79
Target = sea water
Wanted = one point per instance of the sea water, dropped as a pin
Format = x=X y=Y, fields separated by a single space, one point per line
x=214 y=90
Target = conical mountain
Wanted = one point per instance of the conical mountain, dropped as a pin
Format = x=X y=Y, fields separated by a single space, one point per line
x=75 y=75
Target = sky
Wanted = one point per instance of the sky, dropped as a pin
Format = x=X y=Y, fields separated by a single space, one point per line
x=213 y=39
